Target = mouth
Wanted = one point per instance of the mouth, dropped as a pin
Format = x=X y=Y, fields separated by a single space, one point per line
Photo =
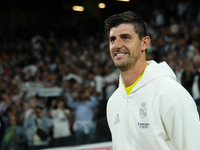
x=120 y=54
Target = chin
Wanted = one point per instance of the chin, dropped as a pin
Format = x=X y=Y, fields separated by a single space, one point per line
x=121 y=67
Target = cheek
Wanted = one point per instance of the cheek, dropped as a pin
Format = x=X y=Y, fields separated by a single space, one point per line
x=111 y=50
x=135 y=48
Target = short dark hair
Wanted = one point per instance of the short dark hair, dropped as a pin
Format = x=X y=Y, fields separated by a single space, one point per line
x=128 y=17
x=39 y=107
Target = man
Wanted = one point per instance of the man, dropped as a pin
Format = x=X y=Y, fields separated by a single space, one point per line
x=150 y=110
x=84 y=108
x=37 y=120
x=15 y=137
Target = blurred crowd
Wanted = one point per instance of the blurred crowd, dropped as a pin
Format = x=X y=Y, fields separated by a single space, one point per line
x=54 y=90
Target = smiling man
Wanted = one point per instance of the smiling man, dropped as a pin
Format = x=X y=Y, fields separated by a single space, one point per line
x=150 y=110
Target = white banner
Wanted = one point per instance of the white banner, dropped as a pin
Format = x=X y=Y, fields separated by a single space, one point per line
x=49 y=92
x=26 y=86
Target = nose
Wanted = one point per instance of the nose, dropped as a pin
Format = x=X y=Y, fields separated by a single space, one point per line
x=117 y=44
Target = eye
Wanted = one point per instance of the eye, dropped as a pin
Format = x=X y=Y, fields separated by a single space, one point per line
x=126 y=38
x=112 y=39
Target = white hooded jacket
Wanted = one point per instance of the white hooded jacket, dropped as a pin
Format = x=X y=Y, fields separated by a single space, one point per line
x=159 y=114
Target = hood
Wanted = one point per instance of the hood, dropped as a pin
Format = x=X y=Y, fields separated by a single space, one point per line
x=153 y=71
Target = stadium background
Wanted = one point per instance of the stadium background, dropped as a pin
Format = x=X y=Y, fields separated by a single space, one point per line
x=22 y=20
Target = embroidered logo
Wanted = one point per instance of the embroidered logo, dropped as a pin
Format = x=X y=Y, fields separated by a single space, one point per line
x=143 y=110
x=117 y=119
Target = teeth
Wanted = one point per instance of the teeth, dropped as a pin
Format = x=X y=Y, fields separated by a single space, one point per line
x=120 y=54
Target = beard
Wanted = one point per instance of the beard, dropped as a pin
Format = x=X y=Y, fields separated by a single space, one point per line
x=127 y=64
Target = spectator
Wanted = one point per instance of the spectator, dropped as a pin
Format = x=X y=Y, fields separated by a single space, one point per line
x=5 y=104
x=61 y=127
x=188 y=75
x=67 y=90
x=159 y=16
x=99 y=82
x=84 y=125
x=182 y=6
x=33 y=102
x=191 y=48
x=179 y=70
x=110 y=81
x=15 y=137
x=37 y=119
x=174 y=27
x=196 y=82
x=25 y=107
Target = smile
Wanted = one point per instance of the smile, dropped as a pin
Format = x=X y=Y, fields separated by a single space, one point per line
x=120 y=54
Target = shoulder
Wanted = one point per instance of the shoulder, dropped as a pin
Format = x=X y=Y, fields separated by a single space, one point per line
x=45 y=118
x=54 y=111
x=172 y=95
x=19 y=129
x=67 y=110
x=168 y=90
x=171 y=86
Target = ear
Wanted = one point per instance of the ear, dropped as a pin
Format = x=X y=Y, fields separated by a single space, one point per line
x=145 y=43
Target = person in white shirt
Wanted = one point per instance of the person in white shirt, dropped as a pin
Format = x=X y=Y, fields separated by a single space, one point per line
x=60 y=116
x=110 y=81
x=149 y=110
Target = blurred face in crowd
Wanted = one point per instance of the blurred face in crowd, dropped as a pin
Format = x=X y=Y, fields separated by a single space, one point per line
x=85 y=96
x=39 y=112
x=77 y=87
x=61 y=104
x=33 y=102
x=25 y=106
x=12 y=120
x=6 y=99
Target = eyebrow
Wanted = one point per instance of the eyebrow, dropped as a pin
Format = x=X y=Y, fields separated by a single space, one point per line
x=121 y=35
x=125 y=35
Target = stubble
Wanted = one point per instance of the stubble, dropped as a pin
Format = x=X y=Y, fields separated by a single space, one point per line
x=127 y=64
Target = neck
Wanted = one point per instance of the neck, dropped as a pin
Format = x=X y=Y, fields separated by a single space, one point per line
x=130 y=76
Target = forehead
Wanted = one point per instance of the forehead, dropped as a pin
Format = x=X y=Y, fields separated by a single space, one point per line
x=122 y=29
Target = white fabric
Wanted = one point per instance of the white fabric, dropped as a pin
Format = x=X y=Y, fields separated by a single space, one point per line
x=174 y=28
x=61 y=126
x=36 y=139
x=99 y=86
x=28 y=113
x=73 y=76
x=111 y=78
x=33 y=69
x=99 y=83
x=195 y=88
x=159 y=114
x=179 y=75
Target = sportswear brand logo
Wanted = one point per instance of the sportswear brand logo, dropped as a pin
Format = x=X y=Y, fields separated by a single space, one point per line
x=143 y=125
x=143 y=110
x=117 y=119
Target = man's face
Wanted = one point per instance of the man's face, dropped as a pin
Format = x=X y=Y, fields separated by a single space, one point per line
x=125 y=46
x=38 y=112
x=13 y=120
